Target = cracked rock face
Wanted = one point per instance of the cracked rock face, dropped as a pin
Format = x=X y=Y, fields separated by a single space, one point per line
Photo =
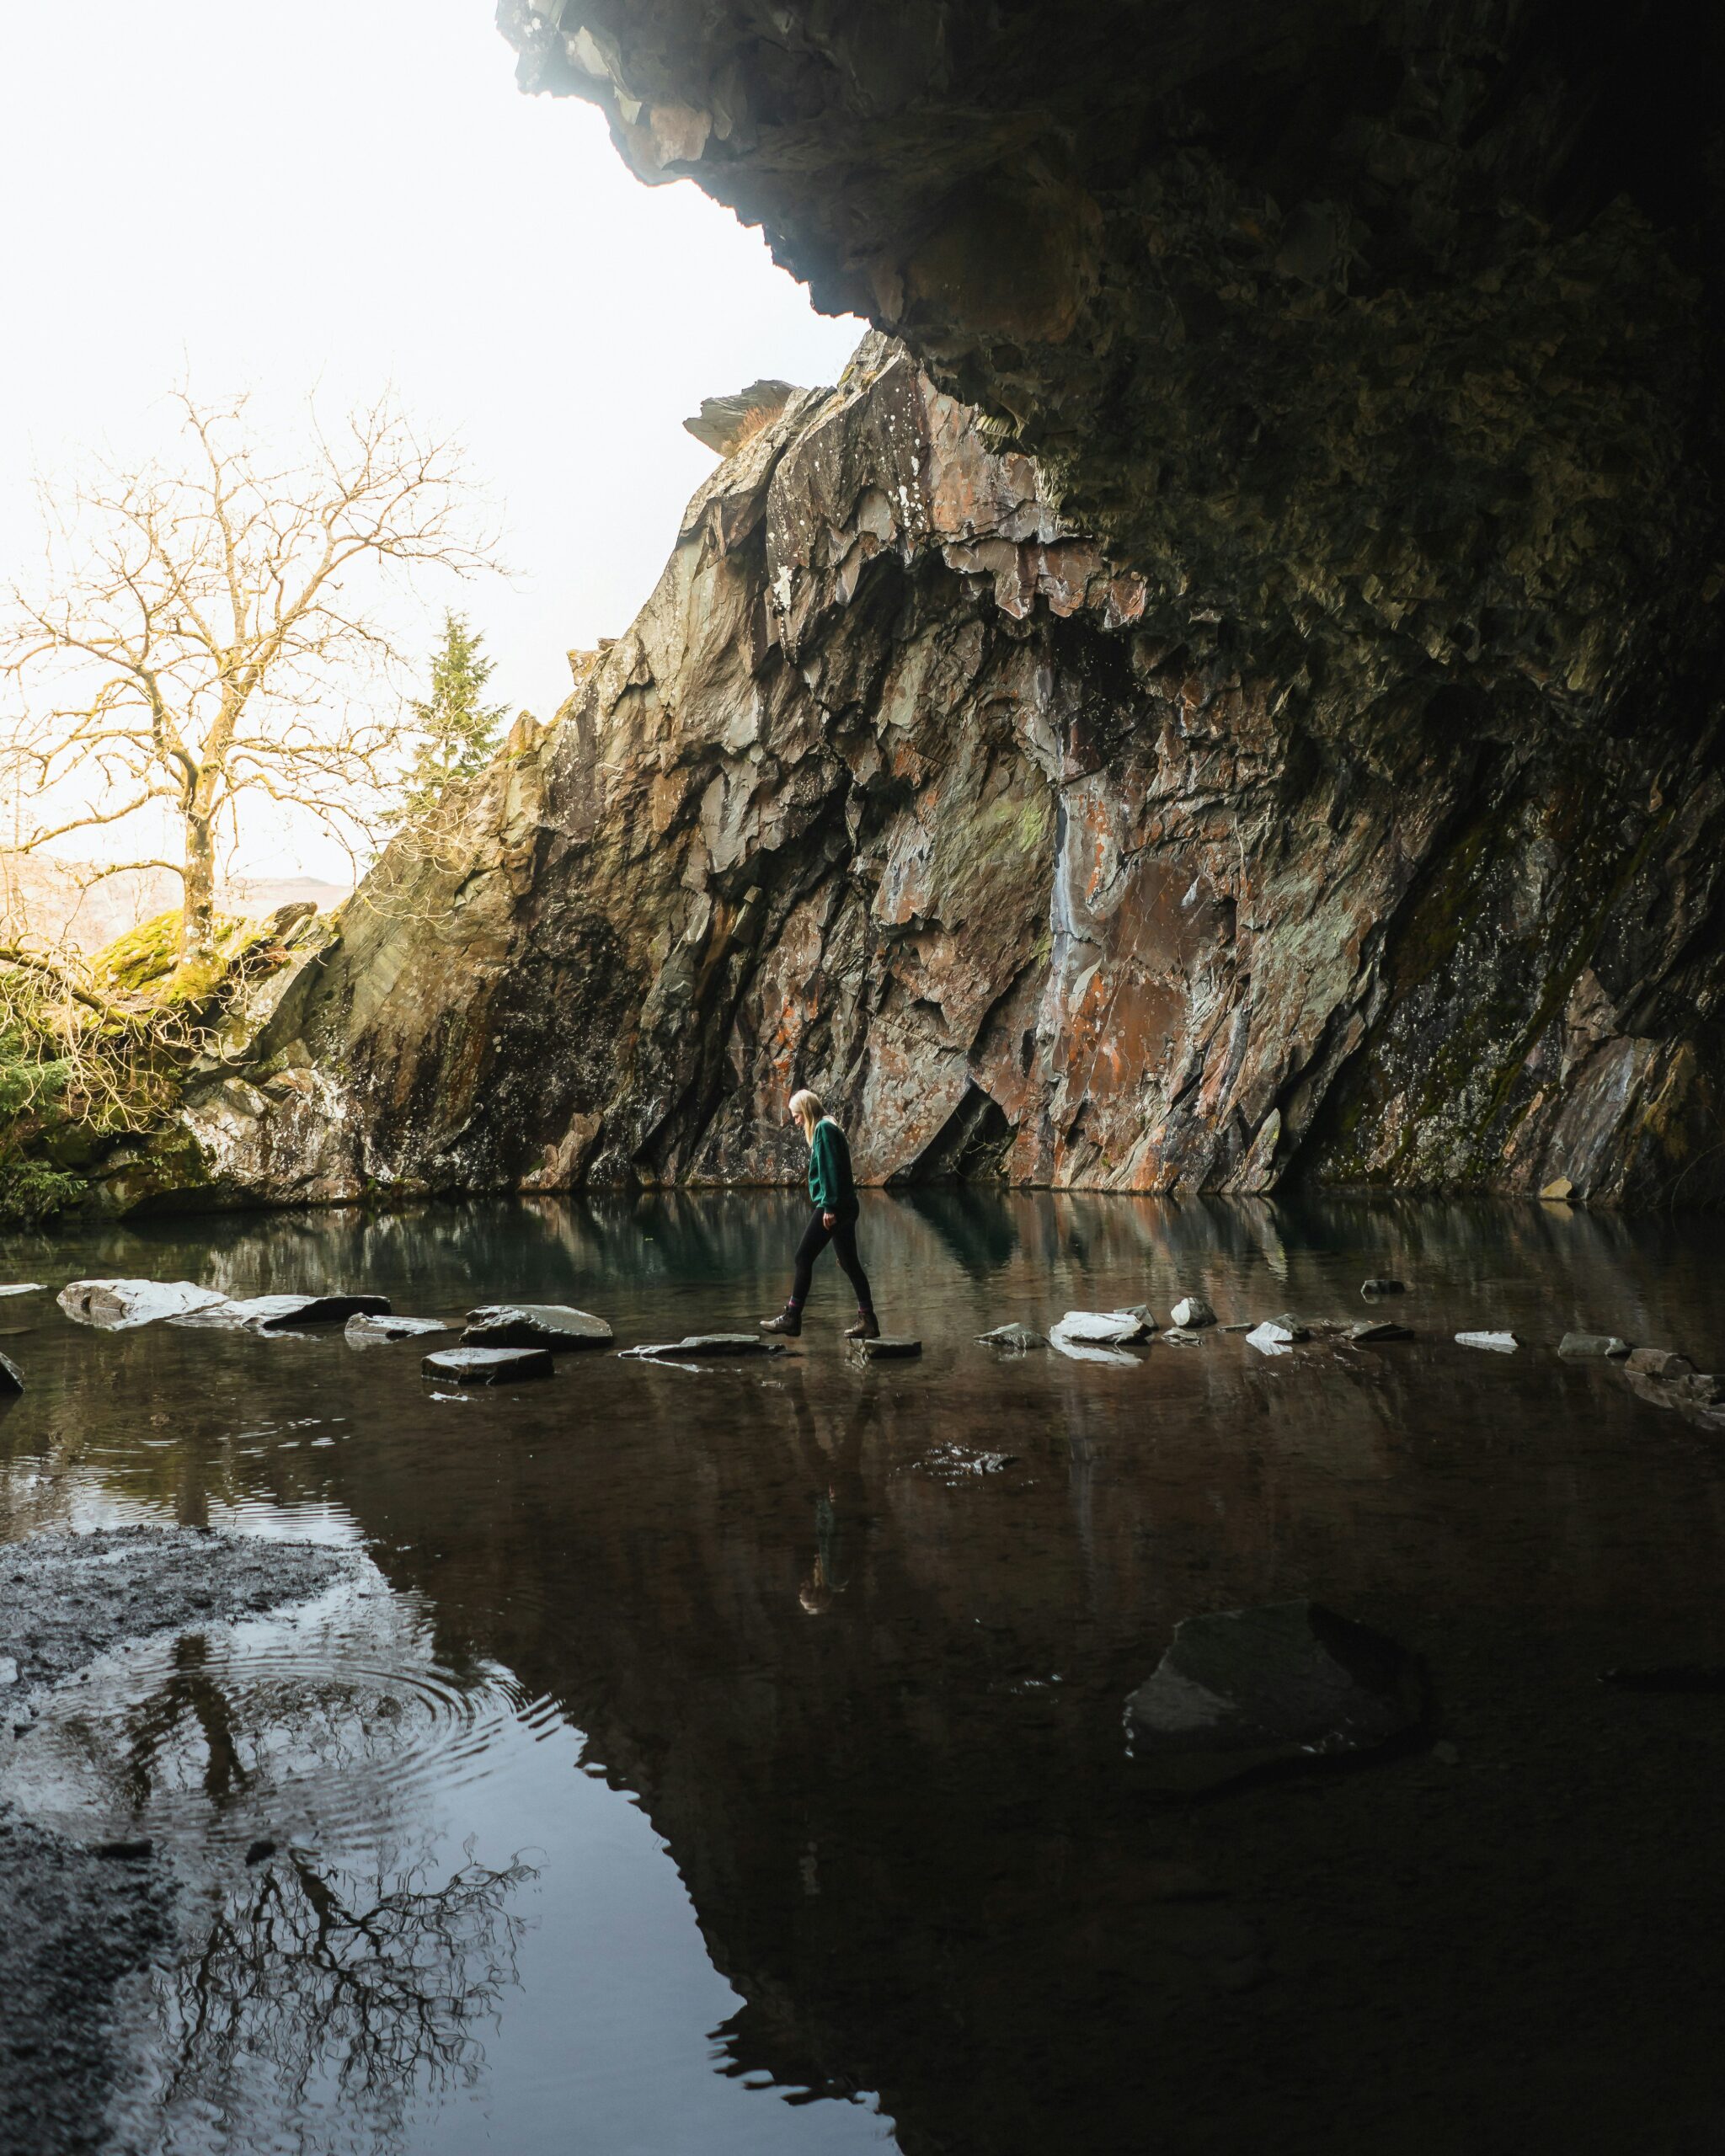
x=1346 y=715
x=889 y=789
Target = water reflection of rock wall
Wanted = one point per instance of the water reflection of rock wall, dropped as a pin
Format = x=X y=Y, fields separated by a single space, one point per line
x=874 y=1705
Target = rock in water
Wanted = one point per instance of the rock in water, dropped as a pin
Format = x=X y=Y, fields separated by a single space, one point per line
x=1662 y=1362
x=1378 y=1328
x=1592 y=1344
x=22 y=1287
x=283 y=1313
x=363 y=1331
x=1283 y=1683
x=118 y=1305
x=1017 y=1339
x=11 y=1377
x=1112 y=1328
x=1382 y=1285
x=698 y=1347
x=487 y=1365
x=1191 y=1312
x=1499 y=1343
x=555 y=1326
x=1271 y=1337
x=888 y=1348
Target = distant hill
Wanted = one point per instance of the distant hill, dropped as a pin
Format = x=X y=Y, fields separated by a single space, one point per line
x=40 y=898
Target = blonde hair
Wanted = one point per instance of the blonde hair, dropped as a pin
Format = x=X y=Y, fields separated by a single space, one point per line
x=806 y=1106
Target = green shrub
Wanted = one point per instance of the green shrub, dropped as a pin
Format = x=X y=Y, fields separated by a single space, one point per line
x=31 y=1192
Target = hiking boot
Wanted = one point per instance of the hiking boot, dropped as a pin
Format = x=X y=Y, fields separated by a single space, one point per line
x=788 y=1321
x=866 y=1327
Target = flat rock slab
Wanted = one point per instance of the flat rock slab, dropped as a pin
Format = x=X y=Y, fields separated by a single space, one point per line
x=1017 y=1339
x=118 y=1305
x=1663 y=1363
x=487 y=1365
x=1499 y=1343
x=363 y=1331
x=1191 y=1312
x=1107 y=1328
x=1277 y=1335
x=1594 y=1343
x=1281 y=1684
x=1378 y=1328
x=700 y=1345
x=11 y=1377
x=555 y=1326
x=888 y=1348
x=284 y=1312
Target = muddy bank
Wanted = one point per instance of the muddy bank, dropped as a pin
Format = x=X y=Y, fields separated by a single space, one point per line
x=82 y=1925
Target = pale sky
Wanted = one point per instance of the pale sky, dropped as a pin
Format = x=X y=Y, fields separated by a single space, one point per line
x=353 y=192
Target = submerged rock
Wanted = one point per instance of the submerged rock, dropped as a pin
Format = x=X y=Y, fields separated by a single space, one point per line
x=697 y=1347
x=1191 y=1312
x=1016 y=1339
x=11 y=1377
x=1282 y=1684
x=1378 y=1328
x=1499 y=1343
x=1663 y=1363
x=118 y=1305
x=1382 y=1285
x=361 y=1330
x=888 y=1348
x=487 y=1365
x=1580 y=1344
x=556 y=1325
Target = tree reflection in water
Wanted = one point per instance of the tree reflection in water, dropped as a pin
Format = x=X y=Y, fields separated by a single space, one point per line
x=358 y=1991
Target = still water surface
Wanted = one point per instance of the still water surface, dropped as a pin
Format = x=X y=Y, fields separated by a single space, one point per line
x=733 y=1760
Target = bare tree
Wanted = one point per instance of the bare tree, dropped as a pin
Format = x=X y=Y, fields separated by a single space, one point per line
x=216 y=626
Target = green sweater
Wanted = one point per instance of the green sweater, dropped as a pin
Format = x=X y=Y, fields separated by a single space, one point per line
x=830 y=1184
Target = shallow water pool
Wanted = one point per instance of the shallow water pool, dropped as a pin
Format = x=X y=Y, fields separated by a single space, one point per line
x=733 y=1759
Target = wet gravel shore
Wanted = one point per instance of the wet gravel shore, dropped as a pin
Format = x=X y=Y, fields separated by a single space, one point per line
x=78 y=1927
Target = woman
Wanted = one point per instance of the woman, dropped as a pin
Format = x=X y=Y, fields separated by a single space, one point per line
x=835 y=1195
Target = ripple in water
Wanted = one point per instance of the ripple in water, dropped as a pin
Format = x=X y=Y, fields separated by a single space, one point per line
x=339 y=1725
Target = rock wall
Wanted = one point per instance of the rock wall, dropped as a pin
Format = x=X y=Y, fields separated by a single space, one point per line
x=901 y=787
x=1345 y=801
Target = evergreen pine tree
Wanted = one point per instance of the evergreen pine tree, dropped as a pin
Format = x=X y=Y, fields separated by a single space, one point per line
x=457 y=731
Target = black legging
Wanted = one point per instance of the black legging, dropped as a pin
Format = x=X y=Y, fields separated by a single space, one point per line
x=843 y=1238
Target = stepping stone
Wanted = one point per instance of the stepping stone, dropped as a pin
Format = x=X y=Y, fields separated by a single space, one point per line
x=283 y=1313
x=1018 y=1339
x=1110 y=1328
x=11 y=1377
x=1280 y=1685
x=1272 y=1338
x=363 y=1331
x=1664 y=1362
x=698 y=1346
x=1378 y=1328
x=1192 y=1311
x=1499 y=1343
x=554 y=1326
x=889 y=1347
x=487 y=1365
x=1592 y=1344
x=118 y=1305
x=1381 y=1284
